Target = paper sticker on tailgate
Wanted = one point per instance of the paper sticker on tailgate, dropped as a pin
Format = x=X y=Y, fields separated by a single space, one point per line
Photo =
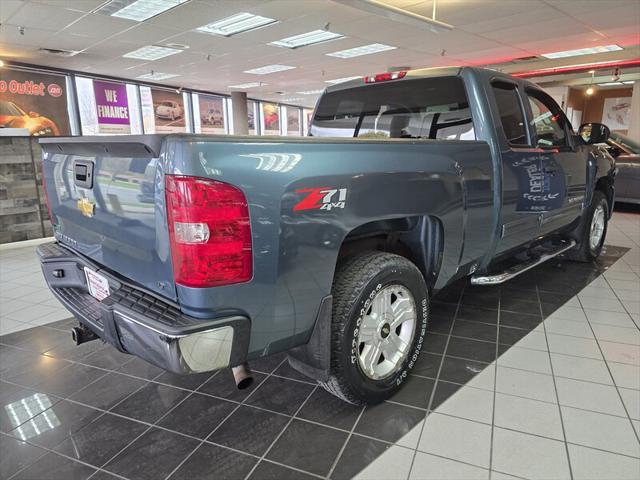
x=98 y=284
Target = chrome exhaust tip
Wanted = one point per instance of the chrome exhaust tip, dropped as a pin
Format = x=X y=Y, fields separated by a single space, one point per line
x=242 y=376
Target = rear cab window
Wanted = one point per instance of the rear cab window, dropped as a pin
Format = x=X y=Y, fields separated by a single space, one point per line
x=422 y=108
x=511 y=113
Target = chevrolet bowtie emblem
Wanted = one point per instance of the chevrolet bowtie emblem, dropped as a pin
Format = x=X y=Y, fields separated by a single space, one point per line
x=86 y=207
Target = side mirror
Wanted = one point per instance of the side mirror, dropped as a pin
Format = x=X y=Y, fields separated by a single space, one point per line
x=593 y=133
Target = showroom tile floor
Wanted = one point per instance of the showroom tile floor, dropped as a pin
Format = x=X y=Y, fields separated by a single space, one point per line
x=539 y=378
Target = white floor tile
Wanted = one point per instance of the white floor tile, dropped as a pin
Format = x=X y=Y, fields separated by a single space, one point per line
x=619 y=319
x=590 y=464
x=589 y=396
x=631 y=400
x=524 y=359
x=621 y=352
x=598 y=430
x=470 y=403
x=580 y=347
x=457 y=439
x=529 y=456
x=526 y=415
x=569 y=313
x=610 y=305
x=525 y=384
x=617 y=334
x=430 y=467
x=627 y=376
x=535 y=340
x=561 y=326
x=411 y=439
x=580 y=368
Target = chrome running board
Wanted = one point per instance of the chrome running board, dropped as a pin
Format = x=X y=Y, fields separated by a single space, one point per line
x=522 y=267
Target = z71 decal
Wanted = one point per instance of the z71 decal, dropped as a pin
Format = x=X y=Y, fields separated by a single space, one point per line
x=321 y=198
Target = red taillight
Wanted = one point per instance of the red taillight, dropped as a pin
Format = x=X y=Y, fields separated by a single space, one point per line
x=210 y=232
x=383 y=77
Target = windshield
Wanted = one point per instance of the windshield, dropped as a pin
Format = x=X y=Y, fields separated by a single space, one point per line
x=8 y=108
x=168 y=104
x=421 y=108
x=626 y=142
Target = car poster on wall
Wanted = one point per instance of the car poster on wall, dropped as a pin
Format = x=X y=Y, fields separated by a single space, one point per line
x=169 y=111
x=35 y=101
x=112 y=107
x=211 y=114
x=270 y=119
x=293 y=121
x=616 y=113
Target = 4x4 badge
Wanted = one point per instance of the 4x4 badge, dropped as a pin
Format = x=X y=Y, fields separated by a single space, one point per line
x=321 y=198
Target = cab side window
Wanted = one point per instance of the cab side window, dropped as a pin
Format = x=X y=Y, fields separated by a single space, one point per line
x=547 y=122
x=510 y=110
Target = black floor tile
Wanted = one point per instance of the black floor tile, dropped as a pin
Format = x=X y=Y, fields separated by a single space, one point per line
x=325 y=408
x=481 y=297
x=271 y=471
x=475 y=330
x=107 y=391
x=141 y=369
x=21 y=404
x=35 y=370
x=444 y=390
x=150 y=402
x=250 y=430
x=472 y=349
x=415 y=392
x=55 y=467
x=108 y=358
x=152 y=456
x=443 y=310
x=434 y=343
x=70 y=379
x=530 y=305
x=521 y=320
x=267 y=364
x=188 y=382
x=13 y=358
x=37 y=339
x=286 y=370
x=427 y=365
x=460 y=370
x=213 y=462
x=280 y=395
x=71 y=351
x=101 y=439
x=102 y=475
x=198 y=415
x=358 y=453
x=308 y=447
x=55 y=424
x=388 y=421
x=16 y=455
x=510 y=335
x=476 y=314
x=222 y=385
x=438 y=324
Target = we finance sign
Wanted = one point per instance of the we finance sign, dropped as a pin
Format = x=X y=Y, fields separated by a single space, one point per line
x=112 y=107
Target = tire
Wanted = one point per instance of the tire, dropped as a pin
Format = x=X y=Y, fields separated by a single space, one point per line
x=360 y=282
x=586 y=250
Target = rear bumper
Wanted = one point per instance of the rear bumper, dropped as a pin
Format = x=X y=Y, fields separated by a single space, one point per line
x=140 y=323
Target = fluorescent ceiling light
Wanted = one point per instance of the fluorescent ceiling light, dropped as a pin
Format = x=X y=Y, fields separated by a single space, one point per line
x=269 y=69
x=340 y=80
x=151 y=52
x=399 y=15
x=582 y=51
x=310 y=92
x=296 y=99
x=248 y=85
x=363 y=50
x=309 y=38
x=157 y=76
x=139 y=10
x=242 y=22
x=609 y=84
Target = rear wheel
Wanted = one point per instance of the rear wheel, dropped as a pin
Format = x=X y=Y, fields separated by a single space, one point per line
x=380 y=310
x=592 y=230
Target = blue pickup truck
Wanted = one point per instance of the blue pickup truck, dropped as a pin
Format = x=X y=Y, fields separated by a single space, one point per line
x=200 y=252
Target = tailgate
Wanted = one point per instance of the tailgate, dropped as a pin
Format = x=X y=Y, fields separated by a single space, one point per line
x=106 y=196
